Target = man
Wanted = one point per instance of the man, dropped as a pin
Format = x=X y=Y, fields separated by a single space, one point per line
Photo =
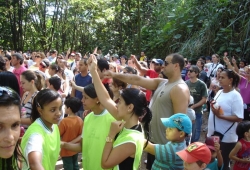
x=143 y=56
x=17 y=63
x=171 y=96
x=148 y=72
x=74 y=64
x=82 y=79
x=198 y=90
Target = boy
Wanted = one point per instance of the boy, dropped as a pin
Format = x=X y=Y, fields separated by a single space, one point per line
x=70 y=131
x=216 y=162
x=196 y=156
x=54 y=83
x=178 y=126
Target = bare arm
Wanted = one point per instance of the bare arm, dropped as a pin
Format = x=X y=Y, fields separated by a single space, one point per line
x=71 y=146
x=150 y=148
x=73 y=93
x=180 y=98
x=138 y=66
x=25 y=121
x=200 y=103
x=234 y=152
x=35 y=160
x=150 y=84
x=75 y=87
x=77 y=139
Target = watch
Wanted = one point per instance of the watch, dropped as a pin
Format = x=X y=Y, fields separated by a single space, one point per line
x=109 y=139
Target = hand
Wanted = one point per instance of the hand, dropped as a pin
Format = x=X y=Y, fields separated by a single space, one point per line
x=115 y=128
x=217 y=146
x=92 y=63
x=216 y=112
x=233 y=60
x=133 y=58
x=72 y=84
x=68 y=51
x=108 y=74
x=246 y=160
x=62 y=144
x=226 y=60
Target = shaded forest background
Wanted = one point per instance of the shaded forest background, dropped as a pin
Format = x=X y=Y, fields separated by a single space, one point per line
x=158 y=27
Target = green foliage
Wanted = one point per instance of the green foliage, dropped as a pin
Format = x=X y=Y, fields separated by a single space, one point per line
x=158 y=27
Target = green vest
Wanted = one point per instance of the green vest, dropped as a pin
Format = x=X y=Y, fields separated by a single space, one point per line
x=131 y=136
x=95 y=131
x=50 y=148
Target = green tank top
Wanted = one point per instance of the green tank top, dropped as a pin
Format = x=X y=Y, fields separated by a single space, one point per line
x=50 y=146
x=95 y=131
x=131 y=136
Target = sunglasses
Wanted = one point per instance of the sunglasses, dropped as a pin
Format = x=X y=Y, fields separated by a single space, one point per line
x=37 y=56
x=8 y=90
x=191 y=71
x=167 y=63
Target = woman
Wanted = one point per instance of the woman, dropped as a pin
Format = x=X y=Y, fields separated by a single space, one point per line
x=124 y=144
x=7 y=59
x=95 y=131
x=31 y=83
x=116 y=86
x=9 y=79
x=130 y=70
x=230 y=101
x=10 y=154
x=41 y=142
x=38 y=59
x=2 y=64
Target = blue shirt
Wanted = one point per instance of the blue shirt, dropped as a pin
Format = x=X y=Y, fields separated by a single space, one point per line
x=82 y=81
x=213 y=166
x=166 y=157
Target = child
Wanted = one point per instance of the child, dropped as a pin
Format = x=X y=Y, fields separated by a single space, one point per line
x=241 y=152
x=196 y=156
x=41 y=142
x=191 y=115
x=70 y=131
x=178 y=126
x=216 y=162
x=54 y=83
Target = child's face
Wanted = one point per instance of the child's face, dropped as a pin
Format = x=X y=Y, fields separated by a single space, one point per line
x=213 y=154
x=192 y=166
x=173 y=134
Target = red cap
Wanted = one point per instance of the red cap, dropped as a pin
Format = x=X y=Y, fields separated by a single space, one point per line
x=196 y=151
x=210 y=141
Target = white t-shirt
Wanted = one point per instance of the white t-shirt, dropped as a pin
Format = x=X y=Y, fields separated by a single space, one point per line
x=232 y=104
x=213 y=68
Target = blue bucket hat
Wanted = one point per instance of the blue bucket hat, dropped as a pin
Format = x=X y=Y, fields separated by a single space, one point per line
x=158 y=61
x=180 y=121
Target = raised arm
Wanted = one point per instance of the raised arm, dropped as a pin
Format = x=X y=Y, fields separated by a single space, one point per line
x=138 y=66
x=147 y=83
x=101 y=91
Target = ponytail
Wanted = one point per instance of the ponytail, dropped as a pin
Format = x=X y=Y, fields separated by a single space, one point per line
x=39 y=82
x=146 y=119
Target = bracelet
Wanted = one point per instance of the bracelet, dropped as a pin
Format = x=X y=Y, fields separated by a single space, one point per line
x=109 y=139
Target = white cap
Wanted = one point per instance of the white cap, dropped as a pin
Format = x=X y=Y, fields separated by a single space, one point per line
x=191 y=100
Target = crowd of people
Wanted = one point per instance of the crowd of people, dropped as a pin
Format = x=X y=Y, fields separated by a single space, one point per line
x=112 y=108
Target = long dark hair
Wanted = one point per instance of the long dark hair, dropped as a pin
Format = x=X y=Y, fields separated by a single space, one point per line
x=138 y=99
x=42 y=98
x=234 y=76
x=9 y=97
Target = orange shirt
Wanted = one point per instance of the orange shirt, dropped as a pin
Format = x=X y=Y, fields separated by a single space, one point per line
x=70 y=128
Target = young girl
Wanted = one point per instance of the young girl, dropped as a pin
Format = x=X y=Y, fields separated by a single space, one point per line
x=241 y=152
x=10 y=154
x=125 y=141
x=41 y=142
x=95 y=130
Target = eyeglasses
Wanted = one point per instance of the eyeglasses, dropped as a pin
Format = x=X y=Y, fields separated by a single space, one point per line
x=191 y=71
x=167 y=63
x=37 y=56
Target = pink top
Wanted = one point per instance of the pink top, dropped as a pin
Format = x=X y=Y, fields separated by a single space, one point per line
x=18 y=73
x=244 y=87
x=243 y=153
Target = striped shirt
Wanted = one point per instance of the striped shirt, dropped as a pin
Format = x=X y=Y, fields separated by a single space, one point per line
x=166 y=157
x=28 y=105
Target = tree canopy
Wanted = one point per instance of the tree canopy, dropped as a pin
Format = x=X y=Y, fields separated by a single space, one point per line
x=158 y=27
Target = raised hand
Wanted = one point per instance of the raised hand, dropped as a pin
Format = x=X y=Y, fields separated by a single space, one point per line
x=92 y=63
x=233 y=60
x=116 y=127
x=132 y=57
x=226 y=60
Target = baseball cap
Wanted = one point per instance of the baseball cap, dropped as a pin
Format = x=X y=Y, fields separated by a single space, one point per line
x=196 y=151
x=180 y=121
x=210 y=142
x=116 y=56
x=208 y=58
x=158 y=61
x=72 y=54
